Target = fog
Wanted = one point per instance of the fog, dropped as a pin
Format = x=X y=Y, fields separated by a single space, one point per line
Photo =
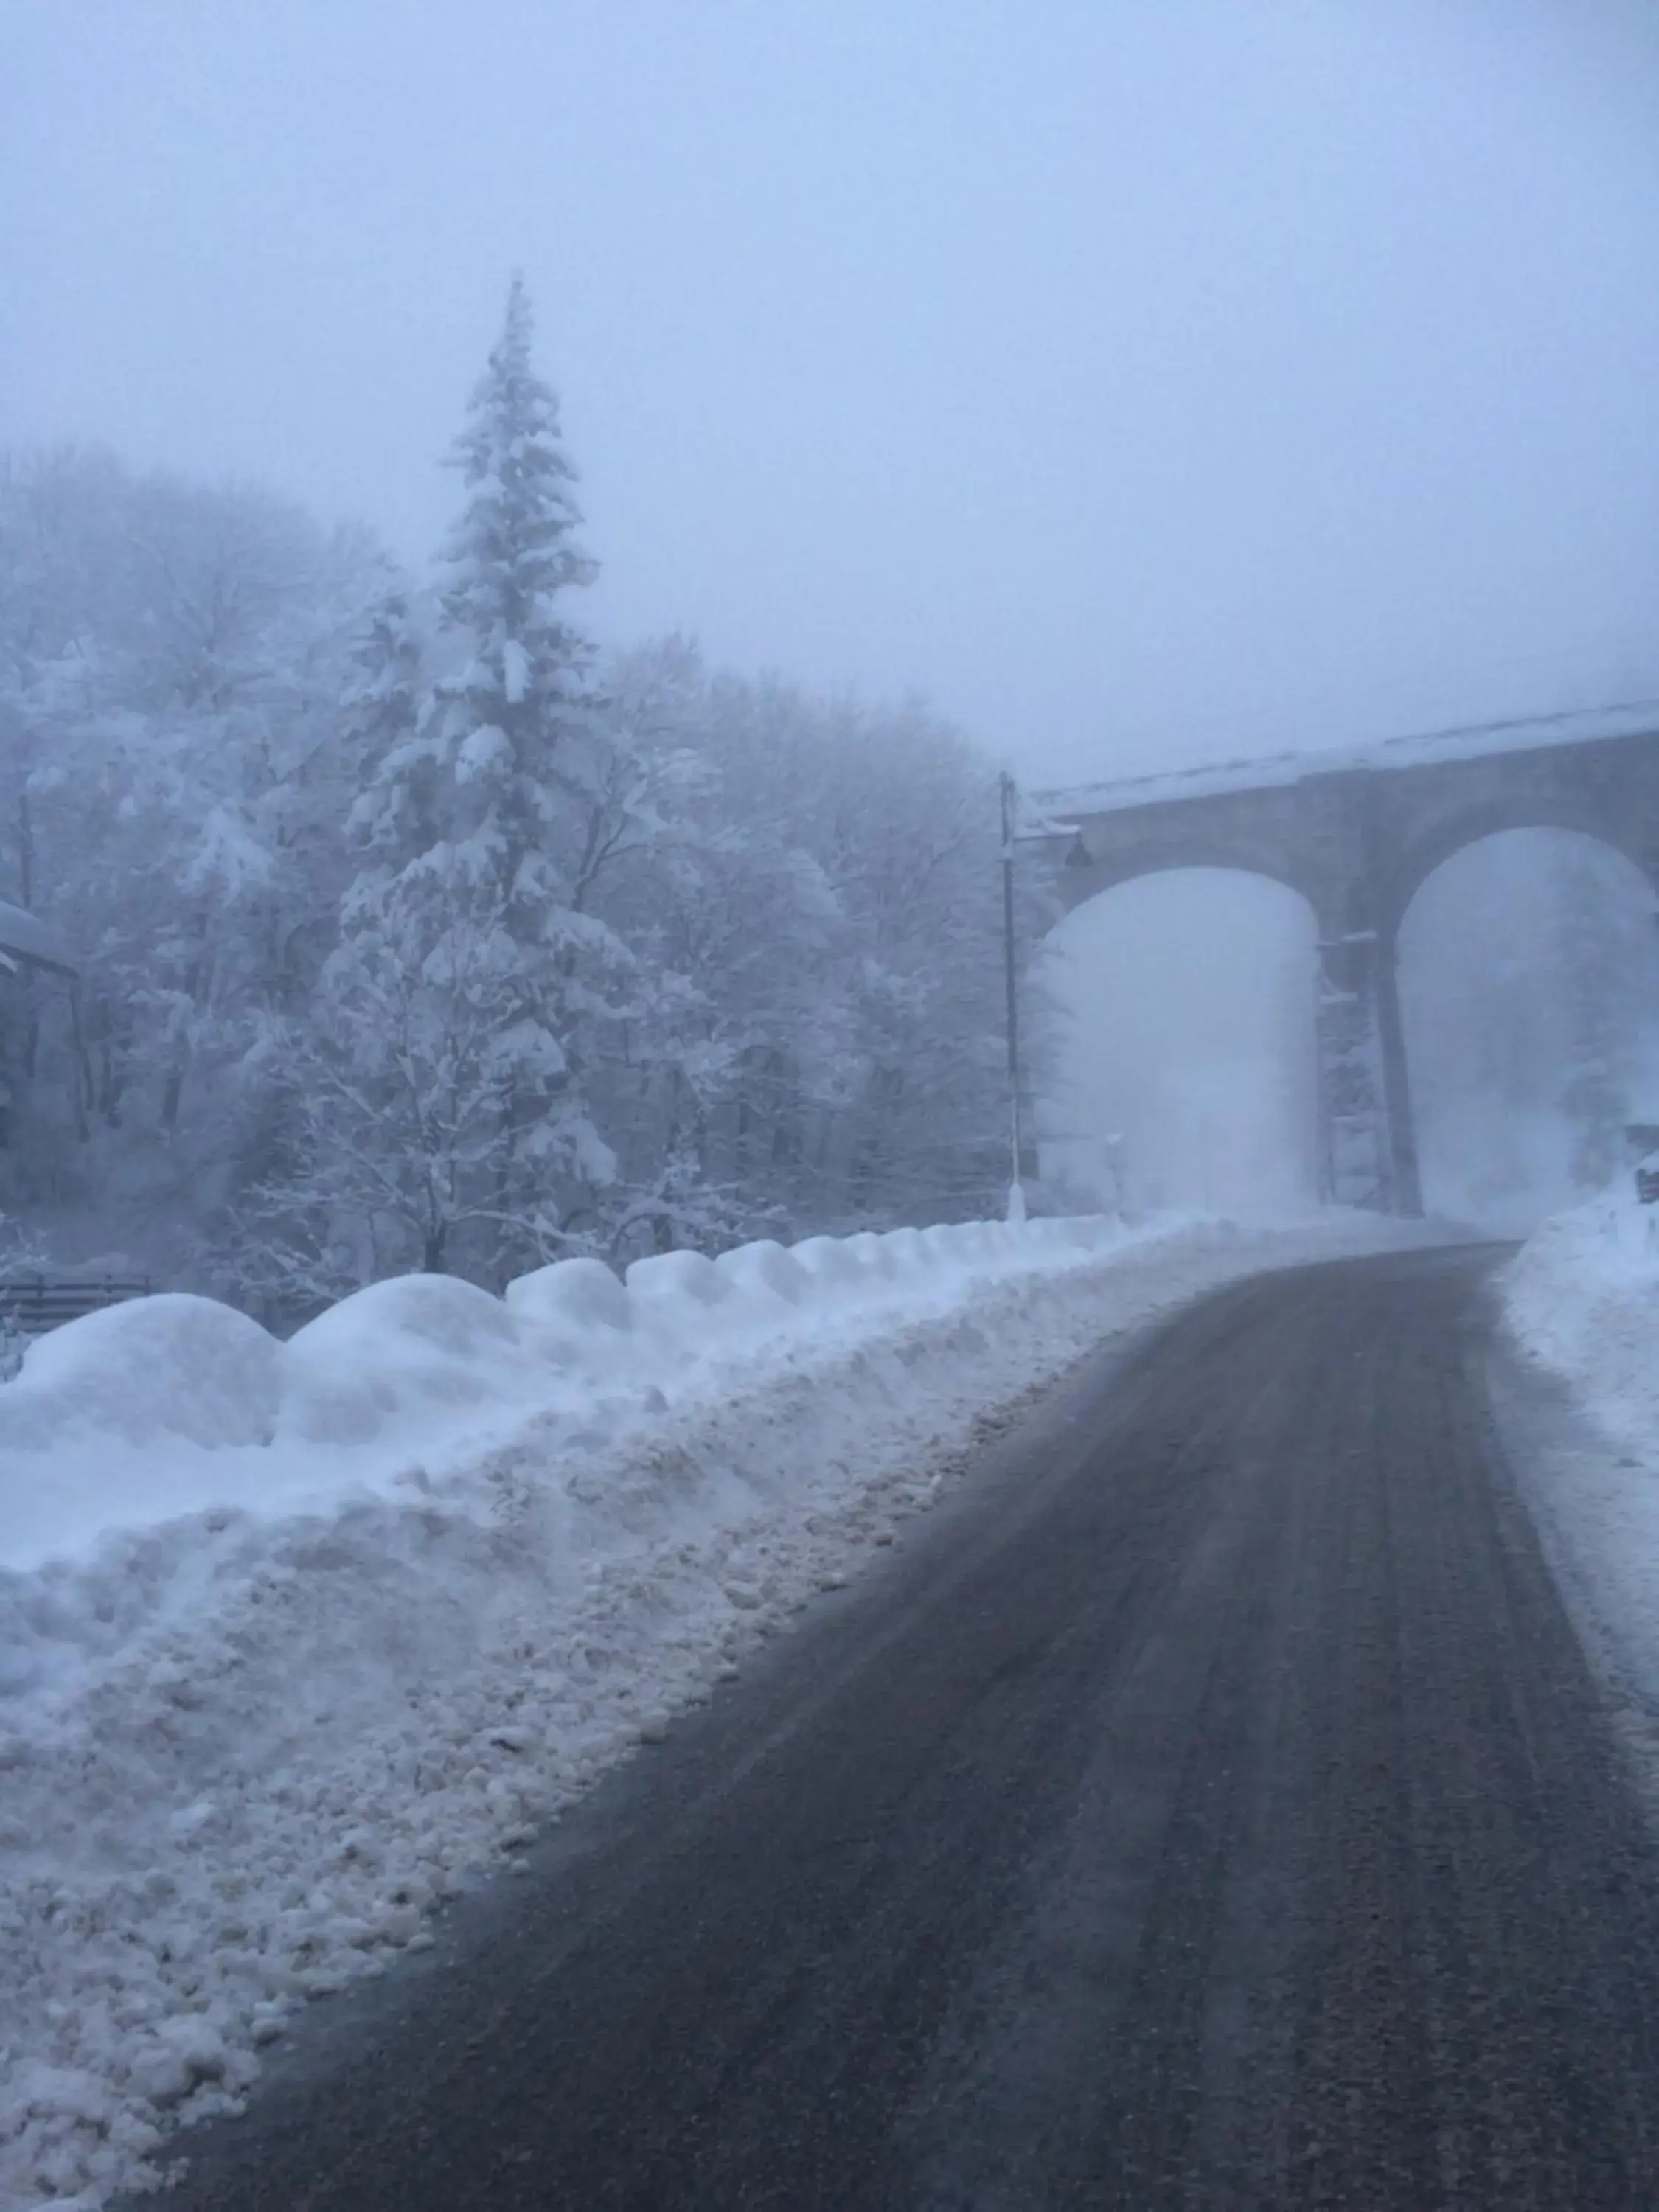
x=1133 y=381
x=1183 y=1052
x=1529 y=986
x=957 y=384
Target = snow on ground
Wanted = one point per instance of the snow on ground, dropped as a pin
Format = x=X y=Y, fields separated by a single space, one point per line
x=1581 y=1298
x=297 y=1640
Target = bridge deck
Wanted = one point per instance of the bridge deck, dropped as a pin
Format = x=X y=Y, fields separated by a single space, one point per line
x=1536 y=733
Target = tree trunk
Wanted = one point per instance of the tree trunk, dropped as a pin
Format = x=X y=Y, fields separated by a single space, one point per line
x=31 y=1042
x=195 y=980
x=81 y=1068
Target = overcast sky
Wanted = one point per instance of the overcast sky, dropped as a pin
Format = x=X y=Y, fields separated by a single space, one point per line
x=1137 y=379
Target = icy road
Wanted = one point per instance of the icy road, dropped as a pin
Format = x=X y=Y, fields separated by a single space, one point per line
x=1213 y=1808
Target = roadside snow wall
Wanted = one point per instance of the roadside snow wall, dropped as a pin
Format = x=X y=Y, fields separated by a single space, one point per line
x=1582 y=1296
x=296 y=1640
x=176 y=1405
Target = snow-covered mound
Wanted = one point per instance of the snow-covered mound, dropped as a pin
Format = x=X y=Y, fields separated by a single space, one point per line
x=1582 y=1296
x=171 y=1405
x=297 y=1639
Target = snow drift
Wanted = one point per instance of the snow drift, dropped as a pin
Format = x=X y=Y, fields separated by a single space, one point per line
x=1582 y=1296
x=174 y=1404
x=296 y=1640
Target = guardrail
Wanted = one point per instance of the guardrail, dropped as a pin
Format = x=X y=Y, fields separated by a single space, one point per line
x=31 y=1304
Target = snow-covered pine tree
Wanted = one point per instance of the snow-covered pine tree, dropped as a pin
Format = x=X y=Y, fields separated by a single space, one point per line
x=336 y=1198
x=442 y=1078
x=380 y=711
x=523 y=684
x=519 y=701
x=390 y=1088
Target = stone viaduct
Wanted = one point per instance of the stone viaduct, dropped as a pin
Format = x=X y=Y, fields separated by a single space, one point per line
x=1356 y=836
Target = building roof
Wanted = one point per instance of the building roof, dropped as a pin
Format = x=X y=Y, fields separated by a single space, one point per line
x=23 y=937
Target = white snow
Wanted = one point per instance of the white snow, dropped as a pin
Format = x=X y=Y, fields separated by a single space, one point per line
x=517 y=671
x=1582 y=1296
x=296 y=1640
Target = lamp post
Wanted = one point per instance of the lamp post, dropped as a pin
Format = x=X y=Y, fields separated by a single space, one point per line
x=1016 y=1134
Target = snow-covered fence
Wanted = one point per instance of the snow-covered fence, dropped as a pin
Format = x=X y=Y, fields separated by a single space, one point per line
x=31 y=1304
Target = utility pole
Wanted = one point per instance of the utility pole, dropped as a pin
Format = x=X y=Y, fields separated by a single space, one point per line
x=1016 y=1134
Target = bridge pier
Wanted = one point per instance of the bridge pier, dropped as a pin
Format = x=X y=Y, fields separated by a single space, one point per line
x=1397 y=1082
x=1356 y=1166
x=1367 y=1142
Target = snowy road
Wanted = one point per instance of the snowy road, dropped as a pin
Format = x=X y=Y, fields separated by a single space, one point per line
x=1210 y=1808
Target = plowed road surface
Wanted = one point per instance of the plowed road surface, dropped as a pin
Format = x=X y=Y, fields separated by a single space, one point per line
x=1211 y=1807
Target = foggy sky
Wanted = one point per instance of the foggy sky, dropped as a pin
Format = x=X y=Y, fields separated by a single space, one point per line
x=1138 y=379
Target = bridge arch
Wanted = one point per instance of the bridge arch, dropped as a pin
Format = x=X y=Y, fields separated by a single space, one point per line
x=1438 y=842
x=1365 y=1147
x=1185 y=1068
x=1528 y=967
x=1085 y=879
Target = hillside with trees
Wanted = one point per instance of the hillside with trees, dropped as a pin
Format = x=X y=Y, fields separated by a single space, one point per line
x=415 y=932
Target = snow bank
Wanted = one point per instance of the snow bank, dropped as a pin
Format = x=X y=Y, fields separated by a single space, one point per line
x=172 y=1366
x=1582 y=1296
x=1583 y=1299
x=297 y=1640
x=171 y=1404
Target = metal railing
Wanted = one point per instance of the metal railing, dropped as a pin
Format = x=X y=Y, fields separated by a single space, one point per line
x=31 y=1304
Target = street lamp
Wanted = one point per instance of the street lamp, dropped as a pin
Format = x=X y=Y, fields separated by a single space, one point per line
x=1016 y=1187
